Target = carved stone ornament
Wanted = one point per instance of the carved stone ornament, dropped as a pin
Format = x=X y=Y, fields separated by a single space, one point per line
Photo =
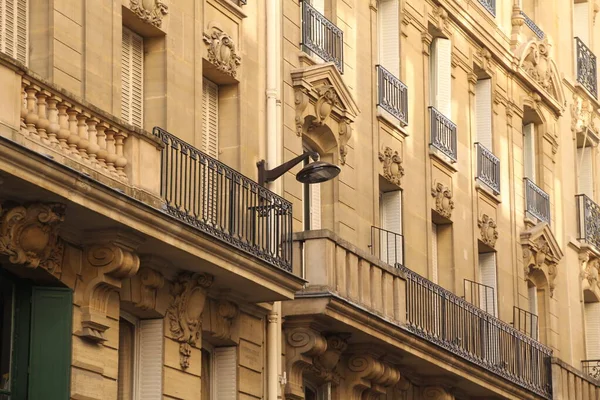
x=29 y=235
x=486 y=59
x=325 y=365
x=489 y=233
x=369 y=375
x=218 y=318
x=589 y=274
x=392 y=165
x=143 y=288
x=436 y=393
x=541 y=253
x=536 y=61
x=222 y=52
x=582 y=115
x=442 y=22
x=443 y=199
x=150 y=11
x=185 y=312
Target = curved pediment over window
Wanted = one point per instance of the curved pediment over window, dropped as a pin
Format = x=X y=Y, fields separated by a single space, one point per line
x=537 y=65
x=323 y=99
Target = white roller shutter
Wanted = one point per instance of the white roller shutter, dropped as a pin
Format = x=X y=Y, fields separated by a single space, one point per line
x=314 y=191
x=585 y=176
x=441 y=74
x=132 y=78
x=389 y=36
x=14 y=30
x=592 y=330
x=391 y=220
x=434 y=253
x=319 y=5
x=529 y=151
x=151 y=359
x=488 y=277
x=225 y=373
x=581 y=18
x=533 y=300
x=483 y=113
x=210 y=118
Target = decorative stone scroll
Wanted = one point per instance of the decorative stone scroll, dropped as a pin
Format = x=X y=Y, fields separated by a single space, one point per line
x=489 y=233
x=222 y=52
x=218 y=318
x=29 y=235
x=443 y=199
x=368 y=375
x=541 y=253
x=392 y=165
x=185 y=312
x=150 y=11
x=589 y=274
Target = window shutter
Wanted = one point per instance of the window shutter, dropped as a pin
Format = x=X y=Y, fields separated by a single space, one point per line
x=581 y=25
x=315 y=206
x=529 y=151
x=592 y=330
x=389 y=36
x=14 y=37
x=391 y=245
x=226 y=373
x=483 y=113
x=585 y=178
x=442 y=75
x=210 y=120
x=488 y=277
x=132 y=78
x=151 y=359
x=50 y=345
x=434 y=253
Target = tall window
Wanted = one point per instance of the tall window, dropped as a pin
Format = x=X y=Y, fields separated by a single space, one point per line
x=585 y=177
x=389 y=36
x=592 y=330
x=532 y=293
x=132 y=78
x=434 y=252
x=219 y=373
x=391 y=244
x=312 y=202
x=210 y=118
x=483 y=113
x=488 y=277
x=581 y=18
x=440 y=76
x=14 y=33
x=529 y=151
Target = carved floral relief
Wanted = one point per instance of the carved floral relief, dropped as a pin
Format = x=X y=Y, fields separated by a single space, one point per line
x=222 y=51
x=489 y=233
x=443 y=199
x=392 y=165
x=150 y=11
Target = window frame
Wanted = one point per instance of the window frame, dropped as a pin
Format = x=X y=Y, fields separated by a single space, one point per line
x=135 y=322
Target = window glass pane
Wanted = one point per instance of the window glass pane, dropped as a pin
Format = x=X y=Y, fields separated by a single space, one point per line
x=6 y=329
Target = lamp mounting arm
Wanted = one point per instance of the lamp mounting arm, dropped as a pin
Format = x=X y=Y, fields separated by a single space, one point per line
x=269 y=175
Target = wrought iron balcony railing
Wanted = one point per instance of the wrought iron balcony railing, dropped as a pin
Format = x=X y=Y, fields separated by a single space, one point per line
x=388 y=246
x=489 y=5
x=588 y=220
x=393 y=95
x=221 y=202
x=536 y=29
x=454 y=324
x=443 y=133
x=525 y=322
x=480 y=295
x=488 y=168
x=321 y=36
x=591 y=368
x=587 y=72
x=537 y=202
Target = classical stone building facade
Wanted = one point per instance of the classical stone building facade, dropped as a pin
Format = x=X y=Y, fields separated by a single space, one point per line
x=455 y=256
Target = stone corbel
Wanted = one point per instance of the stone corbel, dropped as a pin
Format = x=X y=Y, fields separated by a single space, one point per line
x=344 y=134
x=589 y=273
x=368 y=376
x=437 y=392
x=325 y=365
x=106 y=262
x=302 y=346
x=301 y=101
x=185 y=311
x=442 y=20
x=29 y=235
x=219 y=317
x=142 y=288
x=517 y=21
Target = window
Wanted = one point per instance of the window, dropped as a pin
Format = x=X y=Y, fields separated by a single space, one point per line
x=312 y=392
x=140 y=358
x=441 y=79
x=391 y=245
x=532 y=293
x=389 y=36
x=14 y=32
x=585 y=178
x=434 y=253
x=312 y=202
x=132 y=78
x=483 y=113
x=592 y=330
x=210 y=118
x=581 y=17
x=488 y=277
x=529 y=151
x=219 y=373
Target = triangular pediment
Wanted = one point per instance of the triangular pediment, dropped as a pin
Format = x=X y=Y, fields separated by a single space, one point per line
x=314 y=78
x=541 y=238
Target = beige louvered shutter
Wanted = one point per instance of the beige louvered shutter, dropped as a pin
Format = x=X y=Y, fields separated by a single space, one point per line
x=483 y=113
x=151 y=359
x=434 y=253
x=225 y=373
x=592 y=330
x=132 y=78
x=389 y=36
x=488 y=277
x=441 y=74
x=581 y=17
x=210 y=118
x=391 y=244
x=529 y=151
x=14 y=29
x=314 y=191
x=585 y=177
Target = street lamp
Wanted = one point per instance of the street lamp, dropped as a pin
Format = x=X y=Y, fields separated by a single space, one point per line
x=315 y=172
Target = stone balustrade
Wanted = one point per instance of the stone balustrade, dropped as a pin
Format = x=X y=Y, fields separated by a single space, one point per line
x=568 y=383
x=331 y=264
